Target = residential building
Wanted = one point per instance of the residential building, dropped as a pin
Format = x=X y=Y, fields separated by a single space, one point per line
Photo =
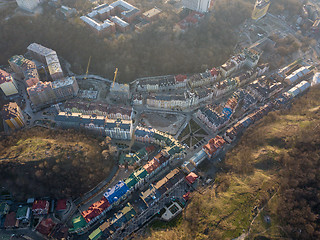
x=152 y=14
x=158 y=83
x=96 y=209
x=61 y=205
x=7 y=84
x=193 y=19
x=197 y=5
x=214 y=146
x=47 y=56
x=105 y=18
x=118 y=129
x=12 y=115
x=260 y=9
x=116 y=193
x=25 y=68
x=28 y=5
x=45 y=226
x=315 y=79
x=10 y=221
x=120 y=91
x=248 y=57
x=40 y=207
x=23 y=214
x=46 y=93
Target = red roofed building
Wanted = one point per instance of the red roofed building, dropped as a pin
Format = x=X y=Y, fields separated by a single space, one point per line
x=150 y=149
x=40 y=207
x=151 y=166
x=191 y=178
x=180 y=78
x=214 y=72
x=95 y=209
x=192 y=19
x=10 y=220
x=45 y=227
x=61 y=205
x=214 y=146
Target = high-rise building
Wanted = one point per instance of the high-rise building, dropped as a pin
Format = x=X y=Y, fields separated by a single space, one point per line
x=12 y=115
x=197 y=5
x=28 y=5
x=25 y=68
x=7 y=84
x=44 y=94
x=260 y=9
x=48 y=57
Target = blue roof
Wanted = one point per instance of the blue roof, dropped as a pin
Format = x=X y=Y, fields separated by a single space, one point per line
x=227 y=112
x=116 y=192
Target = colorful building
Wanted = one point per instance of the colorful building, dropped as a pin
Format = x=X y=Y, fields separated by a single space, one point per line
x=12 y=115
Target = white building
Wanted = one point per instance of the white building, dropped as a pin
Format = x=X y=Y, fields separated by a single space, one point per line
x=7 y=84
x=197 y=5
x=28 y=5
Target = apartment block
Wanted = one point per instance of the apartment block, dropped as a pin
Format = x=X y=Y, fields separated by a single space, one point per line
x=12 y=115
x=7 y=84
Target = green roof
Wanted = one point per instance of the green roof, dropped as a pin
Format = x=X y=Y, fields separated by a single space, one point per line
x=141 y=153
x=131 y=181
x=4 y=208
x=22 y=212
x=96 y=234
x=78 y=222
x=175 y=149
x=126 y=158
x=140 y=173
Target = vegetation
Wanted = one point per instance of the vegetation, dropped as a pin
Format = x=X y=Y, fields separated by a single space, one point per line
x=39 y=162
x=269 y=187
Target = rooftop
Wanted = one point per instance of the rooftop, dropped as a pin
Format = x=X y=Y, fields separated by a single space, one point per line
x=10 y=110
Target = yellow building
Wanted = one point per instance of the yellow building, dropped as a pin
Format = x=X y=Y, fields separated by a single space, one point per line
x=12 y=115
x=7 y=84
x=260 y=9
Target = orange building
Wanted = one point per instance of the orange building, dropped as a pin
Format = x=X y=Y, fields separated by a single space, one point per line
x=12 y=115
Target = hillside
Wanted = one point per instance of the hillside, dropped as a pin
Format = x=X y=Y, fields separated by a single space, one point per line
x=42 y=162
x=269 y=187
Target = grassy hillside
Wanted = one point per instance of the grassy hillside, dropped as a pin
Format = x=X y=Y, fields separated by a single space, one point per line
x=41 y=162
x=270 y=187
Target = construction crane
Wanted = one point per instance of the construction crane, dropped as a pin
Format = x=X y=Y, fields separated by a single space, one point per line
x=115 y=75
x=88 y=68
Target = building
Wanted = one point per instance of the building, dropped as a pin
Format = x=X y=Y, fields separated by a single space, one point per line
x=46 y=93
x=23 y=214
x=214 y=146
x=152 y=14
x=40 y=207
x=47 y=56
x=296 y=75
x=45 y=226
x=96 y=234
x=197 y=5
x=116 y=193
x=28 y=5
x=248 y=57
x=119 y=129
x=192 y=19
x=120 y=91
x=25 y=68
x=106 y=18
x=12 y=115
x=7 y=84
x=10 y=221
x=95 y=210
x=260 y=9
